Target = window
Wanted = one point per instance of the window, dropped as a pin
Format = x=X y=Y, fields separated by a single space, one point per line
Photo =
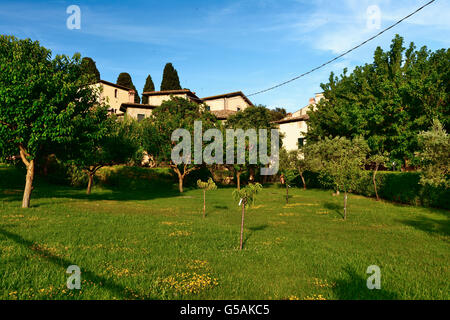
x=140 y=117
x=238 y=109
x=208 y=108
x=115 y=93
x=301 y=142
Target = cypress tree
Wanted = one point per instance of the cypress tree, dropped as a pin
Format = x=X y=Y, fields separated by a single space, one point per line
x=124 y=79
x=148 y=87
x=170 y=79
x=89 y=67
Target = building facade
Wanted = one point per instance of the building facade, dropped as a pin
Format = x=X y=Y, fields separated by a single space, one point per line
x=294 y=126
x=114 y=95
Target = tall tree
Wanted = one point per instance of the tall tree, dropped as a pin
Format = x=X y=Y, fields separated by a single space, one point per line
x=39 y=99
x=177 y=113
x=89 y=67
x=101 y=141
x=388 y=102
x=170 y=80
x=124 y=79
x=254 y=117
x=148 y=87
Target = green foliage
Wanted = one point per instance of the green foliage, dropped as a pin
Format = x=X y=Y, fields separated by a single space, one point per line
x=39 y=97
x=287 y=165
x=170 y=80
x=248 y=194
x=435 y=156
x=387 y=102
x=124 y=79
x=208 y=185
x=401 y=187
x=339 y=160
x=101 y=141
x=253 y=117
x=148 y=87
x=171 y=115
x=278 y=114
x=89 y=67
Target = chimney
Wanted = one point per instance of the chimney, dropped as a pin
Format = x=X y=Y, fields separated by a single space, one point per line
x=131 y=94
x=312 y=101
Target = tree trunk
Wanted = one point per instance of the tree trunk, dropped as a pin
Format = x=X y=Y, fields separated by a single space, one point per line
x=242 y=224
x=28 y=184
x=287 y=192
x=180 y=183
x=345 y=205
x=90 y=182
x=303 y=180
x=204 y=203
x=375 y=183
x=238 y=178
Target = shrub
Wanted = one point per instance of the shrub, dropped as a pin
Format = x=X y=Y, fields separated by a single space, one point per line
x=402 y=187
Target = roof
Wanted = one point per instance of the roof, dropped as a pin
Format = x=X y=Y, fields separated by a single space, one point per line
x=115 y=85
x=229 y=95
x=170 y=92
x=303 y=117
x=124 y=106
x=223 y=114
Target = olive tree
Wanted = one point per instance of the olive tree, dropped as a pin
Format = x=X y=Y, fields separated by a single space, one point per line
x=435 y=155
x=287 y=169
x=341 y=161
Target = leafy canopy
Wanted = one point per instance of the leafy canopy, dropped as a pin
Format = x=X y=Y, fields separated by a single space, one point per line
x=39 y=97
x=208 y=185
x=434 y=154
x=387 y=102
x=248 y=194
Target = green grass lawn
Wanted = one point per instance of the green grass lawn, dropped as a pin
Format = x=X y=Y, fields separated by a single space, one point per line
x=149 y=242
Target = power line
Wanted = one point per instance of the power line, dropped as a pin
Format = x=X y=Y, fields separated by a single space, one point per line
x=343 y=54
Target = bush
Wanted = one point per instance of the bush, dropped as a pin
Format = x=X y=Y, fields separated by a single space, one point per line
x=402 y=187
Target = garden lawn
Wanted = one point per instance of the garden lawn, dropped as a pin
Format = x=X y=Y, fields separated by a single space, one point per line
x=149 y=242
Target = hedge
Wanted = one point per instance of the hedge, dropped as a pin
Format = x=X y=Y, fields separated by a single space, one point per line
x=402 y=187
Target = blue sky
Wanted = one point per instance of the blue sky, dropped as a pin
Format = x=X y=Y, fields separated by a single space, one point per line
x=225 y=46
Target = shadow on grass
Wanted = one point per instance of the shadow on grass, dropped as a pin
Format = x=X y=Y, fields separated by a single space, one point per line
x=354 y=287
x=125 y=185
x=107 y=284
x=336 y=208
x=43 y=190
x=429 y=225
x=221 y=207
x=248 y=235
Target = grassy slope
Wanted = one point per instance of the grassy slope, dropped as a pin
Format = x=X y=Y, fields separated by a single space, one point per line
x=153 y=243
